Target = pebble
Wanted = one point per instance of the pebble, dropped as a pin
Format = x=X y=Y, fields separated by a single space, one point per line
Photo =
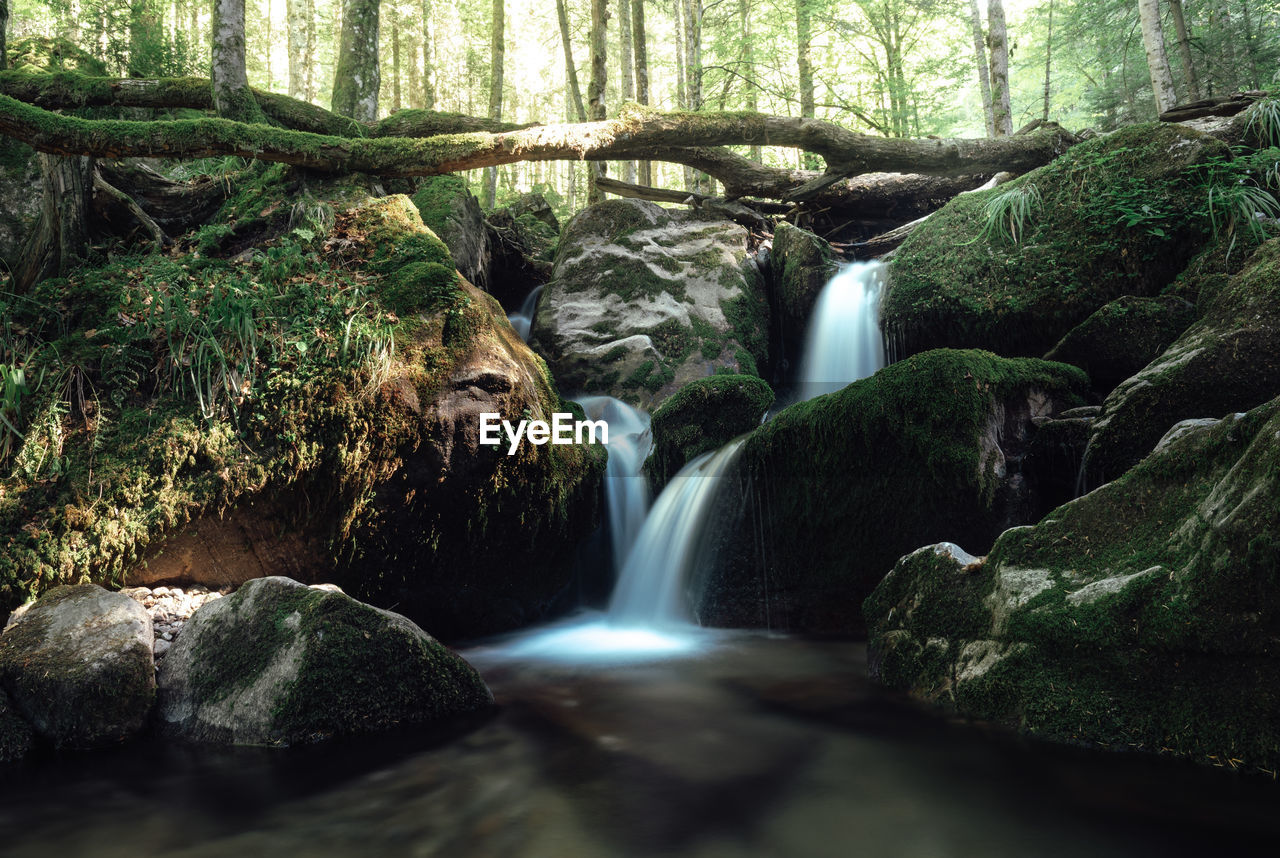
x=170 y=608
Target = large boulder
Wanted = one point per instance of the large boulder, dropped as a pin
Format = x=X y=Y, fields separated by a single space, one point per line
x=643 y=300
x=279 y=663
x=451 y=211
x=801 y=264
x=1118 y=215
x=703 y=416
x=77 y=665
x=356 y=458
x=1226 y=361
x=838 y=487
x=15 y=733
x=1143 y=615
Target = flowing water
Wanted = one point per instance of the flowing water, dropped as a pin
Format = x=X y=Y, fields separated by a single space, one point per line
x=843 y=343
x=522 y=319
x=626 y=489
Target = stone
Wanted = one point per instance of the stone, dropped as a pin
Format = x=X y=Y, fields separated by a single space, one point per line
x=278 y=663
x=78 y=666
x=801 y=265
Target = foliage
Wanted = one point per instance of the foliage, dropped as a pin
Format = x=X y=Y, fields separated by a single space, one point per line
x=1010 y=212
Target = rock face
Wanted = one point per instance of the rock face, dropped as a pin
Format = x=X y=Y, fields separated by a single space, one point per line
x=643 y=300
x=1225 y=362
x=453 y=213
x=1142 y=615
x=705 y=415
x=839 y=487
x=15 y=734
x=77 y=665
x=278 y=663
x=802 y=263
x=1123 y=336
x=952 y=285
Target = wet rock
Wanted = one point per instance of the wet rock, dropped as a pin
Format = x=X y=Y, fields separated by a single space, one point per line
x=78 y=666
x=802 y=263
x=278 y=663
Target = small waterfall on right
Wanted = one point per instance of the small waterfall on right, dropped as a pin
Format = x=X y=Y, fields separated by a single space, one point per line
x=844 y=343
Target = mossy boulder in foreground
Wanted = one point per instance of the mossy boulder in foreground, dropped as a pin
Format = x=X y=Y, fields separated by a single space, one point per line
x=1118 y=215
x=78 y=666
x=1141 y=616
x=642 y=300
x=703 y=416
x=1226 y=361
x=838 y=487
x=278 y=663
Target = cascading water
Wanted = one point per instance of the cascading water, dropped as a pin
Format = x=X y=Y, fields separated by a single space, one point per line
x=626 y=489
x=844 y=342
x=522 y=319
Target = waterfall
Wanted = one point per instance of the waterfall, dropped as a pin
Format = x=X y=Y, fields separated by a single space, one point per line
x=844 y=342
x=626 y=490
x=522 y=319
x=649 y=592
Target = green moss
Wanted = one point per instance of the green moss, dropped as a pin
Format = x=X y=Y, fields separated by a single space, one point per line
x=1123 y=336
x=702 y=416
x=435 y=199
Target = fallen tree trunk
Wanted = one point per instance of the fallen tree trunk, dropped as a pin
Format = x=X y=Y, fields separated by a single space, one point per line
x=884 y=244
x=1223 y=105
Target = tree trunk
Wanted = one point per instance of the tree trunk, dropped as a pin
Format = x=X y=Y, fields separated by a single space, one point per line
x=1157 y=59
x=396 y=102
x=570 y=67
x=1048 y=64
x=4 y=29
x=599 y=77
x=642 y=73
x=61 y=238
x=497 y=51
x=428 y=68
x=628 y=71
x=231 y=95
x=295 y=13
x=756 y=153
x=998 y=46
x=357 y=77
x=145 y=38
x=1184 y=50
x=804 y=68
x=984 y=74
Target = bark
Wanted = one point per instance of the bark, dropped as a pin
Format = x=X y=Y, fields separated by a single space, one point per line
x=674 y=137
x=984 y=73
x=357 y=76
x=4 y=30
x=1184 y=50
x=641 y=49
x=1048 y=64
x=61 y=238
x=570 y=67
x=628 y=71
x=804 y=67
x=998 y=46
x=232 y=97
x=102 y=186
x=887 y=242
x=749 y=63
x=1157 y=59
x=295 y=14
x=428 y=67
x=599 y=76
x=497 y=51
x=396 y=101
x=1223 y=105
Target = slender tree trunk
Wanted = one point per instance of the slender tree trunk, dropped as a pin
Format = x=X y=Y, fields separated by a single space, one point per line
x=357 y=76
x=309 y=58
x=1184 y=50
x=628 y=71
x=599 y=78
x=497 y=53
x=984 y=73
x=4 y=28
x=756 y=153
x=231 y=96
x=1157 y=59
x=570 y=67
x=998 y=46
x=1048 y=64
x=61 y=238
x=295 y=18
x=428 y=67
x=642 y=73
x=1250 y=46
x=804 y=67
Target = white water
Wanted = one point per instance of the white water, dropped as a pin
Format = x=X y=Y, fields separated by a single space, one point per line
x=626 y=489
x=844 y=342
x=522 y=319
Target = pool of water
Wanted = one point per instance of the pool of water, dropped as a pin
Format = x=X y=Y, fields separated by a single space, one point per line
x=730 y=744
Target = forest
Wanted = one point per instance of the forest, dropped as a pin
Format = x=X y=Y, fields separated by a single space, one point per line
x=605 y=427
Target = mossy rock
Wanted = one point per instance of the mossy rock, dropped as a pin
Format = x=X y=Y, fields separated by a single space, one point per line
x=838 y=487
x=351 y=453
x=77 y=665
x=1141 y=616
x=801 y=265
x=451 y=211
x=281 y=663
x=1123 y=336
x=1119 y=215
x=643 y=300
x=15 y=733
x=1227 y=361
x=703 y=416
x=43 y=54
